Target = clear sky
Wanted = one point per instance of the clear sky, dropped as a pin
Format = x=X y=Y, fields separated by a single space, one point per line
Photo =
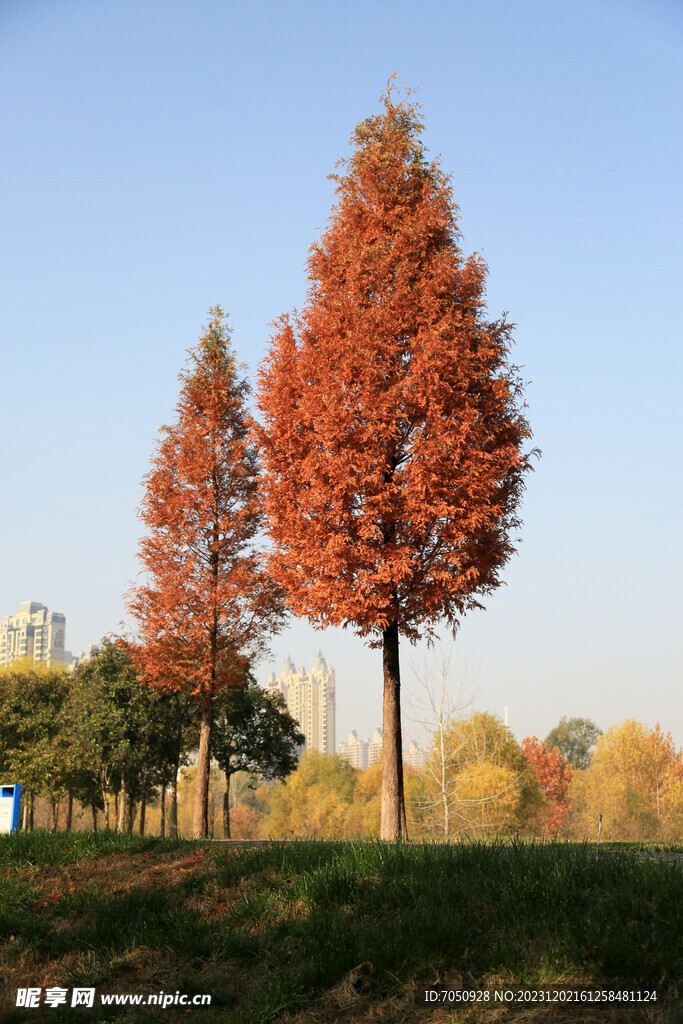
x=164 y=156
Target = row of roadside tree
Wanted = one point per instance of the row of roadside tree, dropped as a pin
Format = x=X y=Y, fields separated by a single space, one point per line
x=104 y=740
x=99 y=749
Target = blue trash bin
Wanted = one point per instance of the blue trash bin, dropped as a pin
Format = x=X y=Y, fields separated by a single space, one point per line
x=10 y=797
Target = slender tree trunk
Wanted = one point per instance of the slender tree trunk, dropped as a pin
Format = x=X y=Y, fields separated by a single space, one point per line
x=30 y=812
x=444 y=786
x=121 y=809
x=143 y=804
x=24 y=816
x=130 y=814
x=173 y=822
x=54 y=806
x=69 y=809
x=94 y=818
x=200 y=824
x=393 y=815
x=226 y=808
x=162 y=802
x=105 y=801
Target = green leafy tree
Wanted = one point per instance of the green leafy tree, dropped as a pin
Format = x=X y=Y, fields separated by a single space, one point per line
x=254 y=733
x=133 y=733
x=179 y=735
x=575 y=738
x=34 y=733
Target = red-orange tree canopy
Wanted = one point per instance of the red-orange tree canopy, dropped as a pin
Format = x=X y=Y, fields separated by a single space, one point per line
x=392 y=421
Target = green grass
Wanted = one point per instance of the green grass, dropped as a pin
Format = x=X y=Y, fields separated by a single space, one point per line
x=42 y=848
x=269 y=931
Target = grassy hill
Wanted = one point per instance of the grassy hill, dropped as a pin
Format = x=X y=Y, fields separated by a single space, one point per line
x=326 y=932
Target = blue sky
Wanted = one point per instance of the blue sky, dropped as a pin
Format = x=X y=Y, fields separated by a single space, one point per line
x=161 y=157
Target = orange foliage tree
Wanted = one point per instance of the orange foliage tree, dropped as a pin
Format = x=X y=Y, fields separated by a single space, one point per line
x=553 y=774
x=392 y=422
x=207 y=606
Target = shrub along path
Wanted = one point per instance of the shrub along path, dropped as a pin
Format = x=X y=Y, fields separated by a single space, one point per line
x=327 y=932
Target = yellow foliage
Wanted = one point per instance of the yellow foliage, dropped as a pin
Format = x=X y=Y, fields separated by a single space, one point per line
x=325 y=796
x=313 y=800
x=672 y=809
x=634 y=782
x=26 y=666
x=486 y=796
x=478 y=783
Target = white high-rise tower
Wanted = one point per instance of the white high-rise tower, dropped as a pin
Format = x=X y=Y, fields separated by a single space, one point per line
x=309 y=697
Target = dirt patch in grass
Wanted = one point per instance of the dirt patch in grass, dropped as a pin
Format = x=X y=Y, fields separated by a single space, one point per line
x=117 y=872
x=142 y=969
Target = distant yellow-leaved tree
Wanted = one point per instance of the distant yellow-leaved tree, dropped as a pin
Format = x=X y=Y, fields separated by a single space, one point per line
x=489 y=789
x=634 y=781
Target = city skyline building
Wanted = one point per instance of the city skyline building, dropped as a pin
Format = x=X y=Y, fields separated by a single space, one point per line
x=415 y=756
x=310 y=699
x=364 y=753
x=34 y=633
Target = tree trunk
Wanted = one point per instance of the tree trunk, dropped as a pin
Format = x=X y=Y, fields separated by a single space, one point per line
x=94 y=818
x=200 y=824
x=393 y=815
x=173 y=822
x=54 y=805
x=226 y=808
x=24 y=823
x=105 y=801
x=444 y=784
x=162 y=802
x=130 y=814
x=121 y=809
x=30 y=812
x=143 y=805
x=69 y=809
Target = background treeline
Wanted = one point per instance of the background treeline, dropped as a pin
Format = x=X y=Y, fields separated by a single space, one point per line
x=97 y=749
x=482 y=783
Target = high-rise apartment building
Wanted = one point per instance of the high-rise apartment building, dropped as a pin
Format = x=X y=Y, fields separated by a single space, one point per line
x=415 y=756
x=309 y=697
x=362 y=753
x=34 y=633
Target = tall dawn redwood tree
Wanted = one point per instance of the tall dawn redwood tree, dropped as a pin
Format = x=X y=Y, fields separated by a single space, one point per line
x=207 y=605
x=393 y=426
